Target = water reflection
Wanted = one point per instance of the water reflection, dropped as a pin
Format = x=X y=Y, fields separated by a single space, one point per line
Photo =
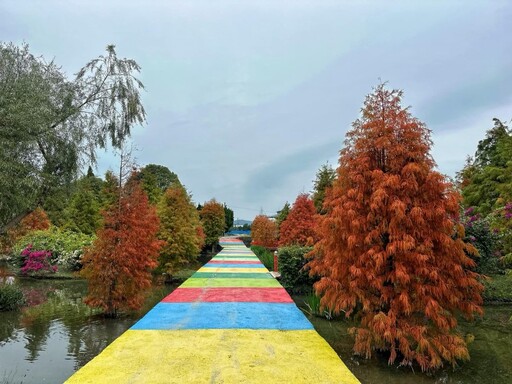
x=57 y=334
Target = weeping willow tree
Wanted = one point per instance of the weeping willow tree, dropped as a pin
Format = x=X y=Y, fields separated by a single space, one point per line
x=51 y=125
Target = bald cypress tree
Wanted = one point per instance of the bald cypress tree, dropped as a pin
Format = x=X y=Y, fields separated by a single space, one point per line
x=264 y=232
x=118 y=264
x=299 y=226
x=392 y=249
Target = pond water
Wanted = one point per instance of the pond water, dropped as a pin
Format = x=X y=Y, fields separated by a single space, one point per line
x=491 y=352
x=56 y=333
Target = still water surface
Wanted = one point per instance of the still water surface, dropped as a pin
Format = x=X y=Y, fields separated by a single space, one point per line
x=57 y=334
x=491 y=352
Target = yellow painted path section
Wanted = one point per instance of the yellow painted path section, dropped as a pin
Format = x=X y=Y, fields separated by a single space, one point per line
x=172 y=343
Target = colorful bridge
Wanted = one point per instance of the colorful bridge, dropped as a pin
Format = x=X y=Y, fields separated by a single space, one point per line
x=231 y=322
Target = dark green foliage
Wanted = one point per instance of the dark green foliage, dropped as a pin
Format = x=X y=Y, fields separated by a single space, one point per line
x=265 y=256
x=76 y=206
x=51 y=125
x=11 y=297
x=155 y=179
x=229 y=216
x=291 y=261
x=282 y=214
x=490 y=151
x=213 y=221
x=83 y=213
x=486 y=181
x=478 y=232
x=56 y=205
x=324 y=179
x=109 y=192
x=164 y=177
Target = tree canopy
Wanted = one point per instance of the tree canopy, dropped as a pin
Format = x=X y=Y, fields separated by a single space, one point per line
x=50 y=125
x=214 y=222
x=264 y=232
x=323 y=181
x=155 y=179
x=229 y=216
x=118 y=265
x=180 y=228
x=282 y=214
x=299 y=226
x=392 y=250
x=486 y=180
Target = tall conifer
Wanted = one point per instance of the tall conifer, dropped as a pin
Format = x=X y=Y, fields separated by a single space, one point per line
x=179 y=228
x=264 y=232
x=392 y=249
x=299 y=226
x=118 y=265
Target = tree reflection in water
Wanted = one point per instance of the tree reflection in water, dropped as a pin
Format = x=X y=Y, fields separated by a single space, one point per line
x=58 y=332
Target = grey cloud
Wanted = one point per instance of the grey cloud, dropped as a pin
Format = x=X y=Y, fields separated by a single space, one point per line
x=273 y=176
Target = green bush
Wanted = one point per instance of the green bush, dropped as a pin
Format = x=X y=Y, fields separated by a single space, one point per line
x=291 y=263
x=66 y=247
x=265 y=256
x=11 y=297
x=478 y=232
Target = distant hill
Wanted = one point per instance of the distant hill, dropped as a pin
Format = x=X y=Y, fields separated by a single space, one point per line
x=239 y=223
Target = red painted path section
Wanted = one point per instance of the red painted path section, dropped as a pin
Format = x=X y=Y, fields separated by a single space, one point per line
x=219 y=295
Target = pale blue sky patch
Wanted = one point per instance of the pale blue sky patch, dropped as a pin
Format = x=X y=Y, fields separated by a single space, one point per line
x=247 y=99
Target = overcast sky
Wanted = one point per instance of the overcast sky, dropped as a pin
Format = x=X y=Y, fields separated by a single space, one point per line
x=247 y=99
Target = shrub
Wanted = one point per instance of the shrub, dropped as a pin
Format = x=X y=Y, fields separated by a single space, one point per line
x=291 y=262
x=36 y=262
x=11 y=297
x=66 y=247
x=502 y=224
x=265 y=256
x=478 y=232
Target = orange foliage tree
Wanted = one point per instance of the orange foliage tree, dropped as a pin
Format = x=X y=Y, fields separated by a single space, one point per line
x=264 y=232
x=37 y=220
x=299 y=226
x=118 y=265
x=392 y=250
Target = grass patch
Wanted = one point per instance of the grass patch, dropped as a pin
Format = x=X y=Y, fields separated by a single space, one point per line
x=313 y=308
x=498 y=288
x=11 y=297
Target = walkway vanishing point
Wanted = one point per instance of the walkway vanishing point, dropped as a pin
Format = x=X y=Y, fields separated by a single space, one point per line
x=231 y=322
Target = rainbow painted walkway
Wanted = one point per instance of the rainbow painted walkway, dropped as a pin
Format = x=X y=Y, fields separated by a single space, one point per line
x=231 y=322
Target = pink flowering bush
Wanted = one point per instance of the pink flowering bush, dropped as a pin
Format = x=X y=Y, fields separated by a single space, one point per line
x=37 y=262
